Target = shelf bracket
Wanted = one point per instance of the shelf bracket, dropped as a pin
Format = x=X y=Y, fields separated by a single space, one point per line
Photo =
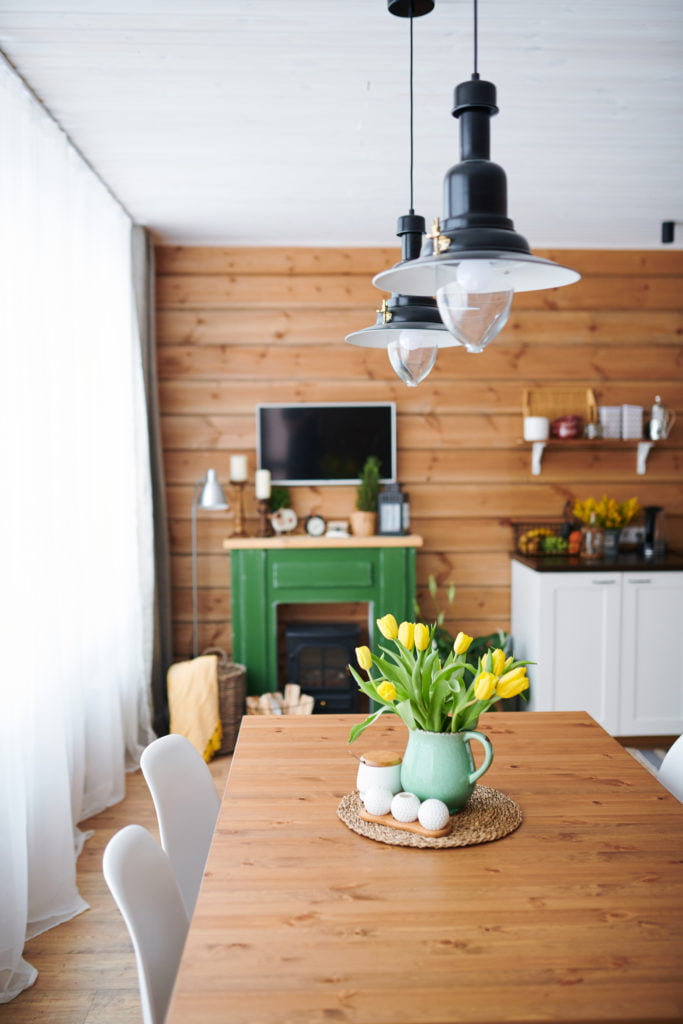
x=644 y=448
x=537 y=449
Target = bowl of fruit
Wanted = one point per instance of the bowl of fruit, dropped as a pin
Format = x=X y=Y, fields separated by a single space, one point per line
x=540 y=540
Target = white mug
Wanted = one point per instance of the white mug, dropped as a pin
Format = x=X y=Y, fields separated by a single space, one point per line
x=536 y=428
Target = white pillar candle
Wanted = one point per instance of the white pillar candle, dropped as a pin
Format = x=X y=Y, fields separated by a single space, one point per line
x=238 y=469
x=262 y=484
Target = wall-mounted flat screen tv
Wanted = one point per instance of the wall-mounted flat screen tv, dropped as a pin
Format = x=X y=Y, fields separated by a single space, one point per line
x=327 y=442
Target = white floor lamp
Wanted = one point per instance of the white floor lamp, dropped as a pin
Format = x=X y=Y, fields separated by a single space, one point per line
x=211 y=499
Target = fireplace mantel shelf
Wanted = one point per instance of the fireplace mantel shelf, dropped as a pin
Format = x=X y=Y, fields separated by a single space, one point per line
x=289 y=541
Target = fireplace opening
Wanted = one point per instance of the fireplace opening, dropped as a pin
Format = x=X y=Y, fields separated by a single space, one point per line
x=318 y=656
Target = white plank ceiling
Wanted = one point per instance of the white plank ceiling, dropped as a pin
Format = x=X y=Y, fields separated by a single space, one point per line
x=285 y=122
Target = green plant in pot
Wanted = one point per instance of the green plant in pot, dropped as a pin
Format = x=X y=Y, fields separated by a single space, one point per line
x=279 y=498
x=440 y=701
x=364 y=518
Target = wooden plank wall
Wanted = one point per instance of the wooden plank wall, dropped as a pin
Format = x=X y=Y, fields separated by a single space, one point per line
x=241 y=326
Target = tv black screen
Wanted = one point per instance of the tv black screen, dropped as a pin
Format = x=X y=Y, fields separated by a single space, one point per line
x=326 y=443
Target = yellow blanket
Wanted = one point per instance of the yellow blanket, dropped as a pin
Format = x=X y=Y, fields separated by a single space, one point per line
x=193 y=703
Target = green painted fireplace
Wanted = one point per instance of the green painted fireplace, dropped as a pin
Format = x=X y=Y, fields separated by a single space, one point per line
x=270 y=571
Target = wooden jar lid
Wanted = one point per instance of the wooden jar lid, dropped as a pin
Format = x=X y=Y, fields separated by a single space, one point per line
x=381 y=758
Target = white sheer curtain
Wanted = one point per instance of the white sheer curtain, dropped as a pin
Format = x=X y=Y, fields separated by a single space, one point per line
x=75 y=519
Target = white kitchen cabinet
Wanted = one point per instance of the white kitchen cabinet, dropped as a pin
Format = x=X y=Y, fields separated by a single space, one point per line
x=605 y=642
x=651 y=691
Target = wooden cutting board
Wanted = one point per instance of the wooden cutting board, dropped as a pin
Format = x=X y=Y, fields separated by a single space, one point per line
x=407 y=826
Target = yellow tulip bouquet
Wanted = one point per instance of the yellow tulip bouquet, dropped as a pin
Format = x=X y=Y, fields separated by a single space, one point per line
x=607 y=512
x=425 y=692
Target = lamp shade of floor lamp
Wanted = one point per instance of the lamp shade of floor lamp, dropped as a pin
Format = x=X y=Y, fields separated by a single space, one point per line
x=208 y=495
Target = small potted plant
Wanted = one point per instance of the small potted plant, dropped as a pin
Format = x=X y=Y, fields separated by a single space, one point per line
x=364 y=518
x=279 y=498
x=283 y=517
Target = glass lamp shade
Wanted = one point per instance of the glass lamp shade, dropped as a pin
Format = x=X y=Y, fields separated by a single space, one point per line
x=411 y=339
x=474 y=318
x=212 y=497
x=471 y=310
x=412 y=354
x=412 y=344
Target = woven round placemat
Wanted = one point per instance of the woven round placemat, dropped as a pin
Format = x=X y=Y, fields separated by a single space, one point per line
x=489 y=815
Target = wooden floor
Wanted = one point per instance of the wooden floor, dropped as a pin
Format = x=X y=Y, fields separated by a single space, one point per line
x=86 y=968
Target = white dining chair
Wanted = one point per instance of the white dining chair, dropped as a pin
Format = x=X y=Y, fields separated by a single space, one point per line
x=141 y=880
x=186 y=804
x=670 y=772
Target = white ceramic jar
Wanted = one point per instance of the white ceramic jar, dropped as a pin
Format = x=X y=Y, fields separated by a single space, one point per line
x=536 y=428
x=380 y=769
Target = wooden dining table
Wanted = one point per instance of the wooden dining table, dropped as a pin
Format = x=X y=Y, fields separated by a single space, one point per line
x=577 y=915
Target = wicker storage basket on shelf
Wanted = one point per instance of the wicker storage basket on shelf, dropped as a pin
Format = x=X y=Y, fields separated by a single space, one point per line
x=232 y=686
x=555 y=402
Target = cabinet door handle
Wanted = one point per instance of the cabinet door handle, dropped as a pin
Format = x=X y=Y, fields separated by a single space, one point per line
x=604 y=583
x=640 y=581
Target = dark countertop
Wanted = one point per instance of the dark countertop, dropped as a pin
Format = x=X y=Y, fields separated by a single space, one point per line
x=625 y=561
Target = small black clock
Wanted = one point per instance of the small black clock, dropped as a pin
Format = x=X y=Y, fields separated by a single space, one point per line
x=315 y=526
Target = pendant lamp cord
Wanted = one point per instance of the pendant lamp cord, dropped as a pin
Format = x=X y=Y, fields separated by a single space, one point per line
x=475 y=73
x=412 y=147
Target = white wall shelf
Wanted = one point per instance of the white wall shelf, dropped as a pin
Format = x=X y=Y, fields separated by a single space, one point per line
x=641 y=448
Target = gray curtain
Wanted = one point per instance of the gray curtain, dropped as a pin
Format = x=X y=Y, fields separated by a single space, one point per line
x=143 y=283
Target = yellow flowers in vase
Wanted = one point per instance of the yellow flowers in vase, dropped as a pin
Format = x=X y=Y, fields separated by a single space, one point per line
x=607 y=512
x=430 y=694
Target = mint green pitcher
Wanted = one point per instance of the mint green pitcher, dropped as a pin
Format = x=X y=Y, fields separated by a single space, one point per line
x=440 y=765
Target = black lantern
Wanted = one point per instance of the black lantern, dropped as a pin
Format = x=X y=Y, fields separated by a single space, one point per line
x=392 y=508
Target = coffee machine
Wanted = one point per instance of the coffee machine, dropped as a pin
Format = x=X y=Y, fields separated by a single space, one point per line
x=654 y=545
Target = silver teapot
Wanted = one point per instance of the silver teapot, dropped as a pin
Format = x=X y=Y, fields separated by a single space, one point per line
x=661 y=421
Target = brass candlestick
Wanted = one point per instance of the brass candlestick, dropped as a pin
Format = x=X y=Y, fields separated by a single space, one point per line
x=265 y=525
x=239 y=530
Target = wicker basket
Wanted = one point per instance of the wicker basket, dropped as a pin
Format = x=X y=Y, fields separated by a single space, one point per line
x=556 y=402
x=294 y=702
x=232 y=686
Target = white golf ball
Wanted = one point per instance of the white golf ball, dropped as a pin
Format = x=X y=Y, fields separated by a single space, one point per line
x=433 y=814
x=404 y=807
x=377 y=800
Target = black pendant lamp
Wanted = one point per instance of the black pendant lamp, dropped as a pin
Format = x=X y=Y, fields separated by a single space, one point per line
x=408 y=326
x=473 y=260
